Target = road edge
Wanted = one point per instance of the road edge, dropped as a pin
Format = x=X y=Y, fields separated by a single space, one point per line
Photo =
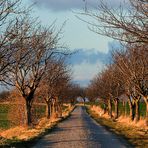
x=121 y=137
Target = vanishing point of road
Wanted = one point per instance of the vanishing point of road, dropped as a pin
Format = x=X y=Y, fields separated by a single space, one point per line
x=81 y=131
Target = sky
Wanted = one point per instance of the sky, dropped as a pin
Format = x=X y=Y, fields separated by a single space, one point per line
x=93 y=49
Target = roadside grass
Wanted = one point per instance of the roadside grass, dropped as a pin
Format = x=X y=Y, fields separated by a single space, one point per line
x=30 y=141
x=142 y=109
x=24 y=143
x=138 y=137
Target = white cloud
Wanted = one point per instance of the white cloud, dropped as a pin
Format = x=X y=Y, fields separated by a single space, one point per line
x=86 y=71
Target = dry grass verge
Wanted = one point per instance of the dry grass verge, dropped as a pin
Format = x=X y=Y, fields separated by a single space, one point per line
x=137 y=135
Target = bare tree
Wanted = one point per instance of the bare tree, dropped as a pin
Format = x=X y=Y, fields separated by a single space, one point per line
x=132 y=65
x=116 y=88
x=37 y=46
x=16 y=36
x=10 y=12
x=125 y=23
x=102 y=86
x=72 y=93
x=128 y=24
x=82 y=93
x=61 y=92
x=54 y=83
x=126 y=75
x=90 y=92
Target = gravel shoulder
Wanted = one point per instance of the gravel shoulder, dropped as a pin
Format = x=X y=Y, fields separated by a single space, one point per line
x=80 y=131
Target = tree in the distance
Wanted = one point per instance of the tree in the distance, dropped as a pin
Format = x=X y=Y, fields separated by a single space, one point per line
x=53 y=85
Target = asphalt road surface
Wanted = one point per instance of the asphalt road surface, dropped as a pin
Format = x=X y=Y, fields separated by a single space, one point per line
x=80 y=131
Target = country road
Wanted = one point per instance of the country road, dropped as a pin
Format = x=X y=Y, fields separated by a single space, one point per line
x=80 y=131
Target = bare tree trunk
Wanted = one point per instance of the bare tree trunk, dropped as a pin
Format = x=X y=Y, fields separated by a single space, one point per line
x=28 y=113
x=47 y=110
x=109 y=108
x=50 y=109
x=132 y=110
x=132 y=107
x=59 y=110
x=83 y=100
x=53 y=109
x=124 y=108
x=104 y=108
x=137 y=114
x=146 y=102
x=116 y=103
x=56 y=110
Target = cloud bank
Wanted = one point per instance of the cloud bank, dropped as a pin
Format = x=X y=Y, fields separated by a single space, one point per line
x=86 y=71
x=90 y=56
x=86 y=63
x=64 y=5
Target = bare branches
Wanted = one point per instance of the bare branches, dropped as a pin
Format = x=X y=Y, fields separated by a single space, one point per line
x=54 y=84
x=30 y=54
x=12 y=27
x=124 y=24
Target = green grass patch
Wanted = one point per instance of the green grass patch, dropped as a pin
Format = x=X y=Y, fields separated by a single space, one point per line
x=125 y=110
x=4 y=122
x=39 y=110
x=136 y=136
x=142 y=109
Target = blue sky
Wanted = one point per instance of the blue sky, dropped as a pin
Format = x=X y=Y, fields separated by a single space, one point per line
x=94 y=50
